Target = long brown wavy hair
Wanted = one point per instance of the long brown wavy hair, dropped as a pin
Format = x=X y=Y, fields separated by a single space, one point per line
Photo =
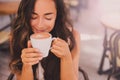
x=21 y=31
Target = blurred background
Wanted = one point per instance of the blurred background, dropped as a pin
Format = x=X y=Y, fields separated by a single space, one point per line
x=98 y=22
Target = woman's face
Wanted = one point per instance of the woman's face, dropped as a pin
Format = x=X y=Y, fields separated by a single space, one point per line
x=44 y=15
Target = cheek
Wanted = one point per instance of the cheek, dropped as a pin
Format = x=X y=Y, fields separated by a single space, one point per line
x=33 y=23
x=50 y=25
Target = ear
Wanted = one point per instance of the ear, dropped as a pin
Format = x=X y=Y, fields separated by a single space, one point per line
x=29 y=45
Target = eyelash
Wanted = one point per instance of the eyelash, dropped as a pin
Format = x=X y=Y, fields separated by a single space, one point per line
x=48 y=18
x=33 y=18
x=45 y=18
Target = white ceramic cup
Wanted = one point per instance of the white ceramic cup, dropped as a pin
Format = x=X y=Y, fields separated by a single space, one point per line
x=42 y=41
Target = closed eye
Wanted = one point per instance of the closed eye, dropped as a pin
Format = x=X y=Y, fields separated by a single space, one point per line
x=49 y=16
x=34 y=16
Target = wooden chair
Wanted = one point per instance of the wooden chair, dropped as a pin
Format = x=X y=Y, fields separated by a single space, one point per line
x=10 y=9
x=110 y=21
x=7 y=8
x=115 y=57
x=111 y=44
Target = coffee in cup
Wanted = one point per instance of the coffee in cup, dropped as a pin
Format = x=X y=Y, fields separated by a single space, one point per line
x=42 y=41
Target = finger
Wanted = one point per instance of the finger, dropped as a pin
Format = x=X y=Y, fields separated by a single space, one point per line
x=29 y=53
x=56 y=52
x=61 y=40
x=28 y=60
x=56 y=47
x=29 y=45
x=30 y=50
x=31 y=63
x=58 y=39
x=58 y=43
x=55 y=42
x=35 y=55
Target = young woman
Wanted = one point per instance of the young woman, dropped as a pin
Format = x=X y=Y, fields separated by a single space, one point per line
x=35 y=16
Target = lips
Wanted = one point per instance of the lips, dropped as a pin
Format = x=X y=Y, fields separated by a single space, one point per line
x=38 y=31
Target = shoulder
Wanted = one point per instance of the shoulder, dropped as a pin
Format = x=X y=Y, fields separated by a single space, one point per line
x=76 y=49
x=76 y=35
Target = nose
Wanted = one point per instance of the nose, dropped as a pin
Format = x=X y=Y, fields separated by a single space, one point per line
x=40 y=23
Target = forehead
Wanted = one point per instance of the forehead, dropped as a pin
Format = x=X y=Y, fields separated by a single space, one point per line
x=45 y=6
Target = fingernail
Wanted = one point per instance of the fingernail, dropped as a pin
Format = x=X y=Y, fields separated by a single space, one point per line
x=40 y=58
x=41 y=54
x=37 y=50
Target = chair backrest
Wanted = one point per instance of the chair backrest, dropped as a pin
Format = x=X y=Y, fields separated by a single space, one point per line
x=7 y=8
x=115 y=54
x=115 y=47
x=84 y=73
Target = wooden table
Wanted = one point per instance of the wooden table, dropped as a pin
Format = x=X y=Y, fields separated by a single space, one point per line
x=110 y=21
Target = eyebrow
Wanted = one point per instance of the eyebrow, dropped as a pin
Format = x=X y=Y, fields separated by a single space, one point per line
x=34 y=13
x=48 y=13
x=45 y=13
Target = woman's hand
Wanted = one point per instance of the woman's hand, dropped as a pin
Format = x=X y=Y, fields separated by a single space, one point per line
x=60 y=48
x=30 y=56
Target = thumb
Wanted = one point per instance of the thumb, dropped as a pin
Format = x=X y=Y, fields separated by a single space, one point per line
x=29 y=45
